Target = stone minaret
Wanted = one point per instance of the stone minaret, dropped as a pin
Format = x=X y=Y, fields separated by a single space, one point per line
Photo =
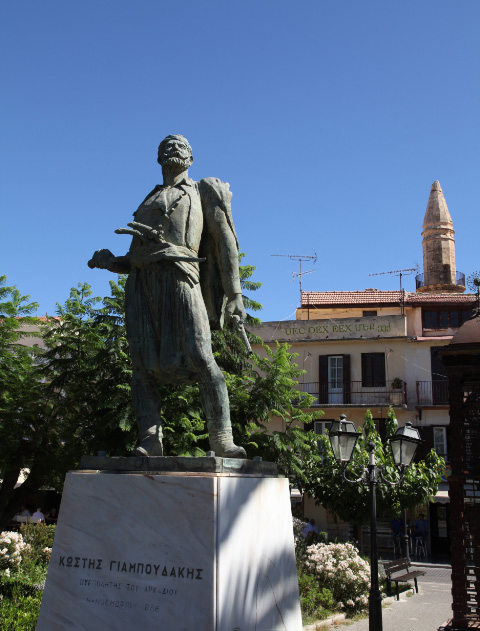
x=439 y=246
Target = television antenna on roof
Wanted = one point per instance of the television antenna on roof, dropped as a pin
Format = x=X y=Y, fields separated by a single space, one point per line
x=399 y=272
x=299 y=274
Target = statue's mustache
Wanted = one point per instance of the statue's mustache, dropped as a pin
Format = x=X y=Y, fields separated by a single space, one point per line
x=175 y=160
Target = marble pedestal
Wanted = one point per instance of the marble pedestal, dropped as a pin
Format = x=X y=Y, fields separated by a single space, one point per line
x=170 y=551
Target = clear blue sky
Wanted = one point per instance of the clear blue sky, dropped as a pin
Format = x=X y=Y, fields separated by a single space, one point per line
x=330 y=120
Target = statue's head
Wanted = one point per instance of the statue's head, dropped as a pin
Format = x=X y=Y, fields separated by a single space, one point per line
x=175 y=150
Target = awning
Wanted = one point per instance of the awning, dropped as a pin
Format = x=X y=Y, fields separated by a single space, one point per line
x=441 y=496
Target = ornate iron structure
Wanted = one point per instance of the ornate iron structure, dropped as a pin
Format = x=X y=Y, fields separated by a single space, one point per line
x=462 y=361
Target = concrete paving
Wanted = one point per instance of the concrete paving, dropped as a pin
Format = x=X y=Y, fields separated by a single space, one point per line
x=426 y=611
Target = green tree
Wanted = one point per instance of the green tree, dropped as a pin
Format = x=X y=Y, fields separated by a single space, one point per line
x=68 y=399
x=25 y=415
x=87 y=369
x=267 y=388
x=350 y=502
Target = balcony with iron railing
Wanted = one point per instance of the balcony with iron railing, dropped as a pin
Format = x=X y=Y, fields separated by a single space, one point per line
x=420 y=280
x=432 y=392
x=354 y=394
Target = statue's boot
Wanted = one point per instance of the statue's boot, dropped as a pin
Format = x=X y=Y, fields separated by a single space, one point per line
x=214 y=396
x=147 y=405
x=221 y=442
x=150 y=440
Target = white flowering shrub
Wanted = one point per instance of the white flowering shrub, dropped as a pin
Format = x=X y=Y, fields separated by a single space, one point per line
x=44 y=555
x=340 y=568
x=300 y=542
x=298 y=526
x=12 y=551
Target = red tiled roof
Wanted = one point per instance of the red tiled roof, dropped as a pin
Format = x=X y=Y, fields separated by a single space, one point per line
x=349 y=297
x=373 y=297
x=45 y=318
x=422 y=299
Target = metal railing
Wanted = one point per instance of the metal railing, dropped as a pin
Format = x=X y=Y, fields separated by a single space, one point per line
x=420 y=280
x=354 y=393
x=432 y=392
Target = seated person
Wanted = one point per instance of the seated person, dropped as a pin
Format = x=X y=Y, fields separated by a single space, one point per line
x=421 y=527
x=23 y=514
x=51 y=517
x=38 y=516
x=397 y=528
x=307 y=529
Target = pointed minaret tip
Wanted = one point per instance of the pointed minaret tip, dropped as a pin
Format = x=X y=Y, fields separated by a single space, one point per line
x=437 y=209
x=438 y=244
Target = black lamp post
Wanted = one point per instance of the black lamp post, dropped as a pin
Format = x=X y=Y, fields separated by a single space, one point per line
x=343 y=438
x=404 y=445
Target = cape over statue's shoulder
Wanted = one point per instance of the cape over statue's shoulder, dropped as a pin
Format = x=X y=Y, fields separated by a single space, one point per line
x=216 y=194
x=216 y=197
x=212 y=187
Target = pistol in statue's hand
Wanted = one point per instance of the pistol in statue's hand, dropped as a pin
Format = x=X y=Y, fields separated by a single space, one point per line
x=235 y=308
x=238 y=324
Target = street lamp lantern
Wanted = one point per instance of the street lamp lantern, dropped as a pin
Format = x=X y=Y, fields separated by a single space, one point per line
x=343 y=438
x=404 y=445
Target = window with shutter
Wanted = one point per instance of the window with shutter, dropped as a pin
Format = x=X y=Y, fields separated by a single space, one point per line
x=445 y=318
x=321 y=427
x=328 y=385
x=423 y=449
x=439 y=379
x=373 y=370
x=440 y=441
x=449 y=447
x=323 y=379
x=380 y=426
x=347 y=385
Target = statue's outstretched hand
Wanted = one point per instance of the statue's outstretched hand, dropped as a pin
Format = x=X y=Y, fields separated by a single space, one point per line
x=235 y=308
x=102 y=259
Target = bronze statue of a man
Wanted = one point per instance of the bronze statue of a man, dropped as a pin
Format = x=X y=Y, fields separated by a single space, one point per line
x=183 y=280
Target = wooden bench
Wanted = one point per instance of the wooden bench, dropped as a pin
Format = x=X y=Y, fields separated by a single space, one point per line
x=399 y=570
